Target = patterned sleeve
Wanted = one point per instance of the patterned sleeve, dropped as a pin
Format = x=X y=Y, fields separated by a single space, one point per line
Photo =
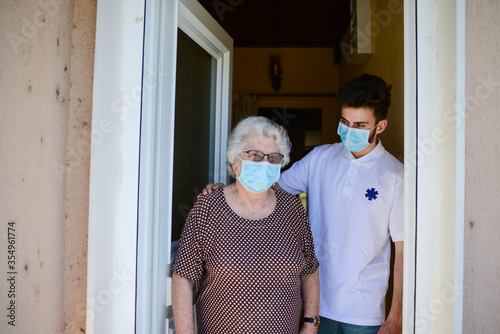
x=306 y=239
x=189 y=259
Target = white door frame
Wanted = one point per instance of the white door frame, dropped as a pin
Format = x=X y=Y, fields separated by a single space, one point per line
x=114 y=167
x=434 y=165
x=155 y=179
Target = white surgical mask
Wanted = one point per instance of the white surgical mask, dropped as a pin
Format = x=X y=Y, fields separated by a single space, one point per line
x=354 y=140
x=257 y=177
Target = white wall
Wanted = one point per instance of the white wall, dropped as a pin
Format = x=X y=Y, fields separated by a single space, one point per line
x=482 y=187
x=46 y=52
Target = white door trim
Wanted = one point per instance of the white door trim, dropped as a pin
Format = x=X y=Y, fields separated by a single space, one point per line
x=156 y=164
x=113 y=192
x=434 y=165
x=410 y=133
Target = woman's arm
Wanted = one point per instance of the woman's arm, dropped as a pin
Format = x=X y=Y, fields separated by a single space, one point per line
x=182 y=304
x=310 y=298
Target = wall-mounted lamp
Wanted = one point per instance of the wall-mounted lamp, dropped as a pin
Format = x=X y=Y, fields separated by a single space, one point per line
x=275 y=72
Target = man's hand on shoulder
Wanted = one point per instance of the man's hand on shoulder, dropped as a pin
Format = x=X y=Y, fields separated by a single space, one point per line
x=209 y=188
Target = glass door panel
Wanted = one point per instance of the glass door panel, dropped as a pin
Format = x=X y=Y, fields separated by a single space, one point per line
x=194 y=139
x=184 y=128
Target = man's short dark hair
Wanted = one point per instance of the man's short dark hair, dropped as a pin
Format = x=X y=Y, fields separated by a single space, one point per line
x=367 y=91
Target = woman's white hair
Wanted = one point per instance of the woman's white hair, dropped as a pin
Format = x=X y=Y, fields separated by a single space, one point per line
x=256 y=126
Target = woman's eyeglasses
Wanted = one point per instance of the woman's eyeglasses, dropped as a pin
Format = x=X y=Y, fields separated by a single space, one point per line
x=254 y=155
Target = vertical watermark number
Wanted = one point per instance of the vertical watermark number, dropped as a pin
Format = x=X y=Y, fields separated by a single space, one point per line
x=11 y=273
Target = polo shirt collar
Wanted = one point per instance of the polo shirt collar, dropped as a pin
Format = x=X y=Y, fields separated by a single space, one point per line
x=373 y=155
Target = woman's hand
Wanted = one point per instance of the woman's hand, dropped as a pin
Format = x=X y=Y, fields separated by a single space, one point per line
x=182 y=304
x=308 y=328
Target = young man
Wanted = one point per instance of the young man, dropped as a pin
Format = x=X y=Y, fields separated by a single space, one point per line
x=355 y=201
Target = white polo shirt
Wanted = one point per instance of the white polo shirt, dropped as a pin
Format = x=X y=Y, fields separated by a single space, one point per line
x=355 y=205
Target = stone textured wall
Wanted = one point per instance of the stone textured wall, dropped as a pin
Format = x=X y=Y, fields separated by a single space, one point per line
x=46 y=69
x=482 y=183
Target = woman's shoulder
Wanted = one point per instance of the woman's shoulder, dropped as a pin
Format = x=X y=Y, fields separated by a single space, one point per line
x=286 y=197
x=290 y=206
x=205 y=202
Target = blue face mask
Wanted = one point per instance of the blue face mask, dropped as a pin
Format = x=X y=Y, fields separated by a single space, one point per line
x=257 y=177
x=354 y=140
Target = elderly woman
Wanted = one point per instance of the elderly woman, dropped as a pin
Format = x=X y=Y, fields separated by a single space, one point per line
x=250 y=247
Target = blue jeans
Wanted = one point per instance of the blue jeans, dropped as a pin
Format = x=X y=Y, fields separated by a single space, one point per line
x=329 y=326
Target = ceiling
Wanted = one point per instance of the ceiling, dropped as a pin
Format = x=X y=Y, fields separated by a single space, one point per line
x=279 y=23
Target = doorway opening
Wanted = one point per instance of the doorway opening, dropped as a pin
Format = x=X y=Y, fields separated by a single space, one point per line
x=303 y=126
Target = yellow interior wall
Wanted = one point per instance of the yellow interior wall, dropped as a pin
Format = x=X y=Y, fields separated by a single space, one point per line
x=304 y=70
x=388 y=63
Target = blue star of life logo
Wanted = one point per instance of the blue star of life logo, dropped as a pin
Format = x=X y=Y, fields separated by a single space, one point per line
x=371 y=194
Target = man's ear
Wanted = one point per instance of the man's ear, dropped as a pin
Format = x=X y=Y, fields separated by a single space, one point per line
x=381 y=126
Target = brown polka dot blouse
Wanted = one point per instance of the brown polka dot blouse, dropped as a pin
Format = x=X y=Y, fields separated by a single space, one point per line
x=248 y=270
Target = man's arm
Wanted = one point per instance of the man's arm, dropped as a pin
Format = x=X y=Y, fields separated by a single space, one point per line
x=182 y=304
x=310 y=297
x=394 y=322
